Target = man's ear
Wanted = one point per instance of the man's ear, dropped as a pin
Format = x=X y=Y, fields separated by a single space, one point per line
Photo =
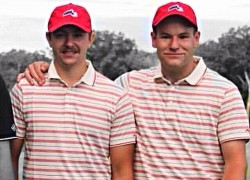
x=48 y=37
x=91 y=38
x=197 y=38
x=153 y=39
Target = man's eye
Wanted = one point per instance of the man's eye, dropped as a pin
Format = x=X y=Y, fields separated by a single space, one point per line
x=165 y=37
x=184 y=36
x=58 y=35
x=78 y=34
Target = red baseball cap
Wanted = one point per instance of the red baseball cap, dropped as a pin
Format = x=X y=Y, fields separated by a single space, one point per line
x=70 y=14
x=174 y=8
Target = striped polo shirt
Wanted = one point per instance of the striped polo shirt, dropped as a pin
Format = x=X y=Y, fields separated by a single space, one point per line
x=181 y=125
x=69 y=131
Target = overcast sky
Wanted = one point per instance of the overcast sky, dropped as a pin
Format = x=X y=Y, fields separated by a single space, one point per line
x=220 y=9
x=233 y=10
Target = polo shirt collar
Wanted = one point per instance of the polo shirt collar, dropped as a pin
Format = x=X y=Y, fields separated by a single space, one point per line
x=198 y=72
x=192 y=79
x=88 y=77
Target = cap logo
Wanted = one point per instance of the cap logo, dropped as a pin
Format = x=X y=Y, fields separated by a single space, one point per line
x=70 y=12
x=175 y=7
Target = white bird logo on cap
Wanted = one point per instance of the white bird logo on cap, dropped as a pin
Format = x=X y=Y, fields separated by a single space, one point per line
x=70 y=12
x=175 y=7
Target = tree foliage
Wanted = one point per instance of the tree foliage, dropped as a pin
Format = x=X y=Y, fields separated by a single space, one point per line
x=113 y=54
x=15 y=61
x=230 y=56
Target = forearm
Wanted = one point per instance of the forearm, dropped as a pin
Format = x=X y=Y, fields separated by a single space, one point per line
x=234 y=154
x=16 y=147
x=122 y=162
x=125 y=177
x=123 y=174
x=235 y=171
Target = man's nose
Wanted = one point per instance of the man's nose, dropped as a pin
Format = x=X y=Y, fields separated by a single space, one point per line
x=174 y=43
x=69 y=40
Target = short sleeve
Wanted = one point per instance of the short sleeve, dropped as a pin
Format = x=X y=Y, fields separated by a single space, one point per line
x=233 y=119
x=123 y=129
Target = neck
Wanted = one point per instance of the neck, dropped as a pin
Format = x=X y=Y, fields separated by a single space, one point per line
x=174 y=74
x=71 y=74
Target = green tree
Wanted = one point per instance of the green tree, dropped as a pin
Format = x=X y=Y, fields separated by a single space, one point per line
x=230 y=56
x=113 y=54
x=15 y=61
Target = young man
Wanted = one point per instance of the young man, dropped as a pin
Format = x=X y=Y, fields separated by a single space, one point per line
x=7 y=133
x=80 y=124
x=192 y=122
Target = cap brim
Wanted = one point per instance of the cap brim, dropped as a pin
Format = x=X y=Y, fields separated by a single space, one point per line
x=61 y=24
x=172 y=14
